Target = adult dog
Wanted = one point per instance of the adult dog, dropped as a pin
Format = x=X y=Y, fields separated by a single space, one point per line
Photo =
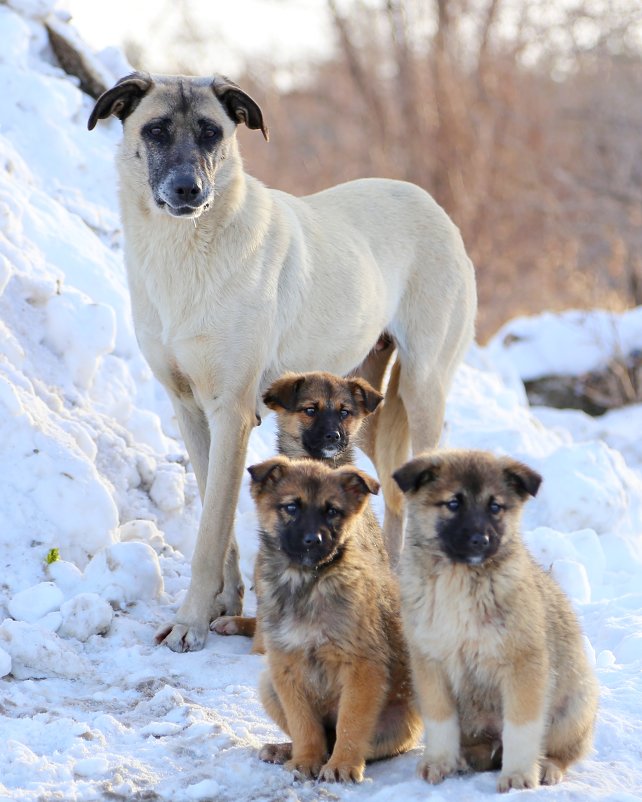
x=497 y=656
x=233 y=284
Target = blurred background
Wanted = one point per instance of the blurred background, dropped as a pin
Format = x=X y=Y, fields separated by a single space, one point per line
x=523 y=118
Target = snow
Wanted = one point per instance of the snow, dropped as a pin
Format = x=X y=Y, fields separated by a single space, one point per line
x=90 y=707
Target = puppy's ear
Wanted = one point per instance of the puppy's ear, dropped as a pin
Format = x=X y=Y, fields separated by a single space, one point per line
x=283 y=393
x=239 y=106
x=524 y=481
x=121 y=99
x=356 y=483
x=268 y=474
x=365 y=395
x=420 y=471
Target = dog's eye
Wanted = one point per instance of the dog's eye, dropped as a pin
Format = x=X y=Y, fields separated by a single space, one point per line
x=157 y=133
x=332 y=512
x=453 y=505
x=210 y=134
x=291 y=507
x=495 y=508
x=344 y=413
x=310 y=411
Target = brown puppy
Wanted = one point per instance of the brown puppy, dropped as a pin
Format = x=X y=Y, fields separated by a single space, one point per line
x=338 y=679
x=496 y=650
x=319 y=415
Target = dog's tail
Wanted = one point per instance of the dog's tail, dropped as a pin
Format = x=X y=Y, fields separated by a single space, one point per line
x=391 y=436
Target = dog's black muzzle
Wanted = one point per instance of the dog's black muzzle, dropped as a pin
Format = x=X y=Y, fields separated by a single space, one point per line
x=308 y=546
x=325 y=439
x=471 y=546
x=184 y=193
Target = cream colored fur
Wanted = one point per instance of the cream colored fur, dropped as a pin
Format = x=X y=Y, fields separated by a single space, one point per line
x=263 y=282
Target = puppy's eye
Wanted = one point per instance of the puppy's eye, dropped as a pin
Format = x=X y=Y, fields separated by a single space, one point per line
x=495 y=508
x=344 y=413
x=332 y=512
x=291 y=507
x=310 y=411
x=453 y=505
x=210 y=134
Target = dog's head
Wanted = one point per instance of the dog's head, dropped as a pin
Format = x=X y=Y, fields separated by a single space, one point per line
x=178 y=133
x=305 y=509
x=465 y=505
x=319 y=413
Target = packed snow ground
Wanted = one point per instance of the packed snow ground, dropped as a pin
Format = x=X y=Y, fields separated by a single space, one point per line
x=90 y=707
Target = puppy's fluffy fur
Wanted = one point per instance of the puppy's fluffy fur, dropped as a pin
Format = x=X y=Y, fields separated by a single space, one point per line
x=338 y=679
x=497 y=655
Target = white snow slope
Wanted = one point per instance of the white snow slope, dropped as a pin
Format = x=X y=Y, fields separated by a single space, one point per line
x=90 y=707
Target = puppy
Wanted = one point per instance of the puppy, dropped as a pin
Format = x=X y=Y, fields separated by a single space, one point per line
x=338 y=679
x=496 y=651
x=319 y=415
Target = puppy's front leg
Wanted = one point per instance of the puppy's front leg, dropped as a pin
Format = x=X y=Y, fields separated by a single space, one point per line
x=286 y=698
x=216 y=585
x=363 y=694
x=524 y=704
x=442 y=755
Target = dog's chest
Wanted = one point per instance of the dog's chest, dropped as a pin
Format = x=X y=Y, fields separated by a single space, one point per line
x=308 y=619
x=456 y=621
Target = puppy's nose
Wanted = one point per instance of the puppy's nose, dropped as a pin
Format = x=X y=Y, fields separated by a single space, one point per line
x=478 y=541
x=332 y=437
x=312 y=539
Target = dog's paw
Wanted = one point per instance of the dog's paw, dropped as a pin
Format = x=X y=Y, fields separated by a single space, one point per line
x=550 y=772
x=181 y=637
x=276 y=753
x=518 y=780
x=435 y=770
x=304 y=768
x=225 y=625
x=229 y=602
x=337 y=771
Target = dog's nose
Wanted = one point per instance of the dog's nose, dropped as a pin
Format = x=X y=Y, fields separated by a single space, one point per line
x=332 y=437
x=312 y=539
x=185 y=189
x=478 y=541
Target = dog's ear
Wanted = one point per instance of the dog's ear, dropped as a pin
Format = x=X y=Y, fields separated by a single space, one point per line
x=524 y=481
x=239 y=105
x=283 y=393
x=365 y=395
x=357 y=483
x=121 y=99
x=419 y=471
x=267 y=474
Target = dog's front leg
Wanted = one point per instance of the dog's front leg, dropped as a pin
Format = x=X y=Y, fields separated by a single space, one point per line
x=363 y=695
x=216 y=586
x=442 y=752
x=524 y=727
x=286 y=697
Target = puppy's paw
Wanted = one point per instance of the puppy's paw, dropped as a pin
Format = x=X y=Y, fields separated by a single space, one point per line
x=518 y=780
x=305 y=768
x=550 y=772
x=435 y=769
x=225 y=625
x=339 y=771
x=182 y=638
x=276 y=753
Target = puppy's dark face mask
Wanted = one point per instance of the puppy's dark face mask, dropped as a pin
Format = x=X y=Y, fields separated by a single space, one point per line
x=470 y=502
